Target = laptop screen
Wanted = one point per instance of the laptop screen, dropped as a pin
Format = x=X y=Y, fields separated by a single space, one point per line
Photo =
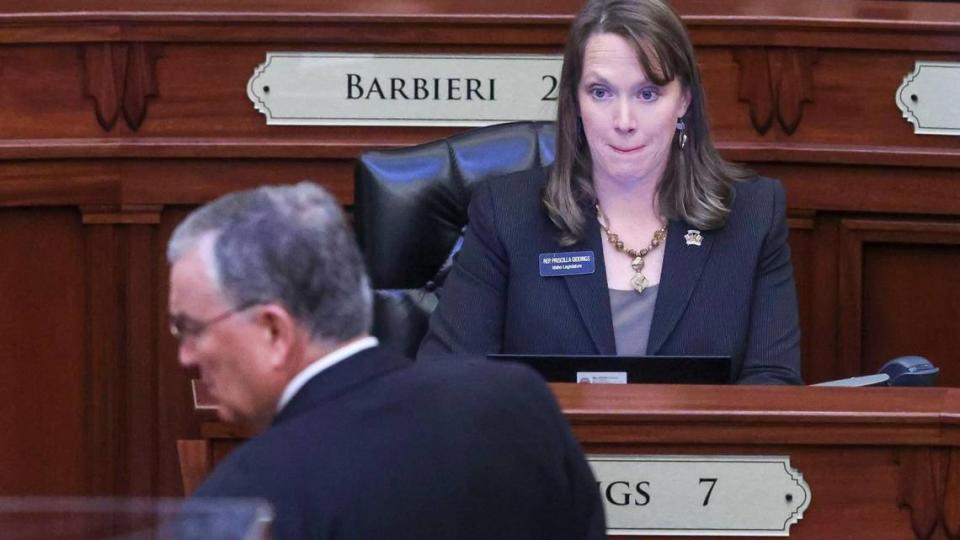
x=625 y=369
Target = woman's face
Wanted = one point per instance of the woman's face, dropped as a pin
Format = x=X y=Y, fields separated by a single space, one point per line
x=629 y=121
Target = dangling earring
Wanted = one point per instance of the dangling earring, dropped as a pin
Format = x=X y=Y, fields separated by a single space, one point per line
x=681 y=133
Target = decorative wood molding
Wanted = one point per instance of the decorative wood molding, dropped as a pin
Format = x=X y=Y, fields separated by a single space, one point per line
x=776 y=82
x=103 y=79
x=104 y=414
x=755 y=86
x=122 y=215
x=927 y=476
x=119 y=77
x=792 y=78
x=951 y=500
x=801 y=219
x=141 y=83
x=861 y=23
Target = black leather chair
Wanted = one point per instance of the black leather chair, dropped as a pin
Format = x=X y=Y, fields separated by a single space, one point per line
x=411 y=208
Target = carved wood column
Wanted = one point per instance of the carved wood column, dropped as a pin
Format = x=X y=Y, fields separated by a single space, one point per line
x=121 y=418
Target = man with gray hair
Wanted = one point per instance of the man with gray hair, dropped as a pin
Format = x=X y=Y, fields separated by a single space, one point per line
x=270 y=302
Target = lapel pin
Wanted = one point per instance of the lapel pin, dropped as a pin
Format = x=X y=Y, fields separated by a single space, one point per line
x=693 y=237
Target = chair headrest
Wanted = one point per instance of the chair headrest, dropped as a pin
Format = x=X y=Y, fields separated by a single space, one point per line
x=411 y=203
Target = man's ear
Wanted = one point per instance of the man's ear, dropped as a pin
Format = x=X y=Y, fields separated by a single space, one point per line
x=281 y=333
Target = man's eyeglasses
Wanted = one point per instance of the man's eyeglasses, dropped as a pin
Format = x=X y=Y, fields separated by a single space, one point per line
x=184 y=328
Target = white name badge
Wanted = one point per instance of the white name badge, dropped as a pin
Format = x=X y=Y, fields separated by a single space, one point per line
x=601 y=377
x=352 y=89
x=700 y=495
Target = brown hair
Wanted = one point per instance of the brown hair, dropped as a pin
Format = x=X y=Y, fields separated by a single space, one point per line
x=696 y=185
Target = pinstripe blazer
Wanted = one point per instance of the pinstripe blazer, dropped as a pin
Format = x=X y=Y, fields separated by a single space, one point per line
x=732 y=295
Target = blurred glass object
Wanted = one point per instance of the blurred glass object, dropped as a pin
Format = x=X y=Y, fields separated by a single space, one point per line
x=92 y=518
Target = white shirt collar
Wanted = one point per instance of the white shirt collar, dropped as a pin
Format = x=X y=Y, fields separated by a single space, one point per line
x=321 y=364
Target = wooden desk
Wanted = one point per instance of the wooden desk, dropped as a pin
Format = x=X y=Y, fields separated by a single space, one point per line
x=881 y=463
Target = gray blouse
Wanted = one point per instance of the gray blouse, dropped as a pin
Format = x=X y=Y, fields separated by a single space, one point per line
x=632 y=316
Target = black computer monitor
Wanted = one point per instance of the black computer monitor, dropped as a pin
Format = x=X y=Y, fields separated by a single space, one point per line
x=579 y=368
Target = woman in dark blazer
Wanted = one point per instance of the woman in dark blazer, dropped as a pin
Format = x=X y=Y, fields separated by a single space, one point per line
x=640 y=238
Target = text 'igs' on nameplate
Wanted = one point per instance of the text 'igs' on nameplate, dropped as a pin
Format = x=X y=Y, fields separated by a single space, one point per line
x=700 y=495
x=359 y=89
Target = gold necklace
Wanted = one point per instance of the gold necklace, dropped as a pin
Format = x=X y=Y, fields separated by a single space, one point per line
x=638 y=281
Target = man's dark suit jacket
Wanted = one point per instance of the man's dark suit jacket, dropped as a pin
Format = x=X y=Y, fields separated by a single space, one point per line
x=379 y=447
x=732 y=295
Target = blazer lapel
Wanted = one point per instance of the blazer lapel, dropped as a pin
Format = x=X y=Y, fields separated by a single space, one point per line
x=590 y=293
x=682 y=266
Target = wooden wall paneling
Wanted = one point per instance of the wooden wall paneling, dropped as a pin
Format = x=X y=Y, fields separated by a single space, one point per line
x=133 y=182
x=858 y=189
x=801 y=255
x=825 y=320
x=825 y=104
x=43 y=94
x=951 y=500
x=106 y=417
x=176 y=417
x=42 y=351
x=923 y=491
x=140 y=350
x=196 y=181
x=122 y=334
x=28 y=183
x=911 y=302
x=855 y=102
x=899 y=293
x=123 y=437
x=813 y=244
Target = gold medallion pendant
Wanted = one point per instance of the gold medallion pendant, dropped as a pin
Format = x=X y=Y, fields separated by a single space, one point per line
x=638 y=281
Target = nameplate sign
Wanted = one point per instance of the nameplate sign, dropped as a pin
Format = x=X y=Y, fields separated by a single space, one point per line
x=700 y=495
x=928 y=98
x=348 y=89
